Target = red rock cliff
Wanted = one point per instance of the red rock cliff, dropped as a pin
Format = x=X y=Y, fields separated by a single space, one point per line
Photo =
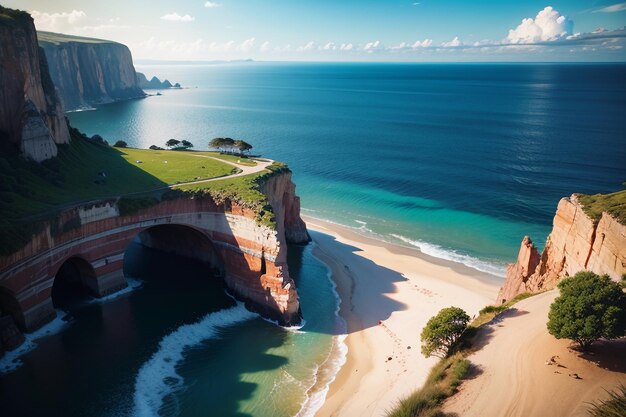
x=576 y=243
x=31 y=115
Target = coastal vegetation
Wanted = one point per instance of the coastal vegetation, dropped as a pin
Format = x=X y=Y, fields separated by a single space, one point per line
x=613 y=203
x=443 y=331
x=228 y=145
x=449 y=372
x=86 y=169
x=614 y=406
x=589 y=308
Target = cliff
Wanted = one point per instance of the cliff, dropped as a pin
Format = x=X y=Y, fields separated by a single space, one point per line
x=88 y=71
x=31 y=115
x=154 y=83
x=589 y=236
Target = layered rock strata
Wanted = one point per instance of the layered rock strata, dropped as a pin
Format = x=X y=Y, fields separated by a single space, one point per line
x=31 y=114
x=88 y=72
x=576 y=243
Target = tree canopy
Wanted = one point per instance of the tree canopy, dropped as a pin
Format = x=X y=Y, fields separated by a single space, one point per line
x=186 y=144
x=590 y=307
x=443 y=330
x=120 y=144
x=230 y=145
x=172 y=143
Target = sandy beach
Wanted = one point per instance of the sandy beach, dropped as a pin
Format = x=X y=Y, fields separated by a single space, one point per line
x=523 y=369
x=388 y=293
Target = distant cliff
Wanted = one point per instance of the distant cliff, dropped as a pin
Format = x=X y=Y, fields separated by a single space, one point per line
x=88 y=72
x=154 y=82
x=31 y=115
x=589 y=233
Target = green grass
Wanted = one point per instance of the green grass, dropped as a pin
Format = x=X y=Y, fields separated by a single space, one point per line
x=230 y=158
x=245 y=190
x=172 y=167
x=59 y=38
x=449 y=372
x=488 y=313
x=31 y=193
x=614 y=204
x=614 y=406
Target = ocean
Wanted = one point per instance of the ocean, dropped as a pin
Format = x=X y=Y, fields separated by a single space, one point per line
x=460 y=160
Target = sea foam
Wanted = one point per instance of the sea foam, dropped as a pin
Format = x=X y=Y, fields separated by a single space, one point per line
x=10 y=361
x=157 y=378
x=337 y=357
x=452 y=255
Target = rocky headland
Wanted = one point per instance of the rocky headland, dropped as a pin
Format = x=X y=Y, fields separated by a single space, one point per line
x=31 y=114
x=589 y=233
x=88 y=72
x=154 y=83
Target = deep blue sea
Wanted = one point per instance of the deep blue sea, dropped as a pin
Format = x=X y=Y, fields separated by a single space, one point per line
x=460 y=160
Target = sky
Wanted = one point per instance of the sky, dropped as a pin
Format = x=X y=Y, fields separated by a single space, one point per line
x=345 y=30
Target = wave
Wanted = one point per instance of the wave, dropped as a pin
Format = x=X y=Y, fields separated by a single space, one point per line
x=330 y=367
x=454 y=256
x=133 y=284
x=10 y=361
x=157 y=378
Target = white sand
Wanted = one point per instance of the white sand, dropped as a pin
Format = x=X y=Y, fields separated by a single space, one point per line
x=401 y=287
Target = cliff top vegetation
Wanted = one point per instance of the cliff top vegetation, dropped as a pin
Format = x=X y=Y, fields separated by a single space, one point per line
x=614 y=204
x=59 y=38
x=88 y=169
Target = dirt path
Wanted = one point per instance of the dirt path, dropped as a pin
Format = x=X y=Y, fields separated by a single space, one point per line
x=261 y=164
x=525 y=372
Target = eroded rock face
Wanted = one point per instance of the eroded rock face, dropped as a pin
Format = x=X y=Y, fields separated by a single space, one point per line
x=575 y=244
x=90 y=73
x=31 y=115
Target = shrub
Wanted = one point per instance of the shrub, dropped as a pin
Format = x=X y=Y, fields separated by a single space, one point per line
x=156 y=148
x=443 y=331
x=614 y=406
x=120 y=144
x=590 y=307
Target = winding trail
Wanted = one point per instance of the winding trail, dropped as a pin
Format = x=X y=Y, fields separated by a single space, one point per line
x=261 y=164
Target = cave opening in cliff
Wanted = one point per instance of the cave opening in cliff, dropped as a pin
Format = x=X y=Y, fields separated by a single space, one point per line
x=183 y=244
x=74 y=282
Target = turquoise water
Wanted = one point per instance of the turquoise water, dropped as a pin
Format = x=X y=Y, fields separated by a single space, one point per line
x=177 y=345
x=461 y=160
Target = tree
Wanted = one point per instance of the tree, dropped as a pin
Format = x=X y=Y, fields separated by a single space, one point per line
x=156 y=148
x=243 y=146
x=590 y=307
x=172 y=143
x=186 y=144
x=443 y=331
x=216 y=143
x=120 y=144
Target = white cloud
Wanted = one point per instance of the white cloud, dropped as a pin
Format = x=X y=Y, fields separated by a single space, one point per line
x=265 y=46
x=330 y=46
x=548 y=25
x=212 y=4
x=246 y=45
x=423 y=44
x=371 y=46
x=175 y=17
x=452 y=44
x=57 y=21
x=346 y=47
x=308 y=47
x=612 y=9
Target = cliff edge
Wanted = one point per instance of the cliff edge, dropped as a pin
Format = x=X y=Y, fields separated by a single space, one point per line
x=90 y=71
x=31 y=114
x=589 y=233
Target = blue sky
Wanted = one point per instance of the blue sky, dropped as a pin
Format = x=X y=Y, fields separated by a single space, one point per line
x=364 y=30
